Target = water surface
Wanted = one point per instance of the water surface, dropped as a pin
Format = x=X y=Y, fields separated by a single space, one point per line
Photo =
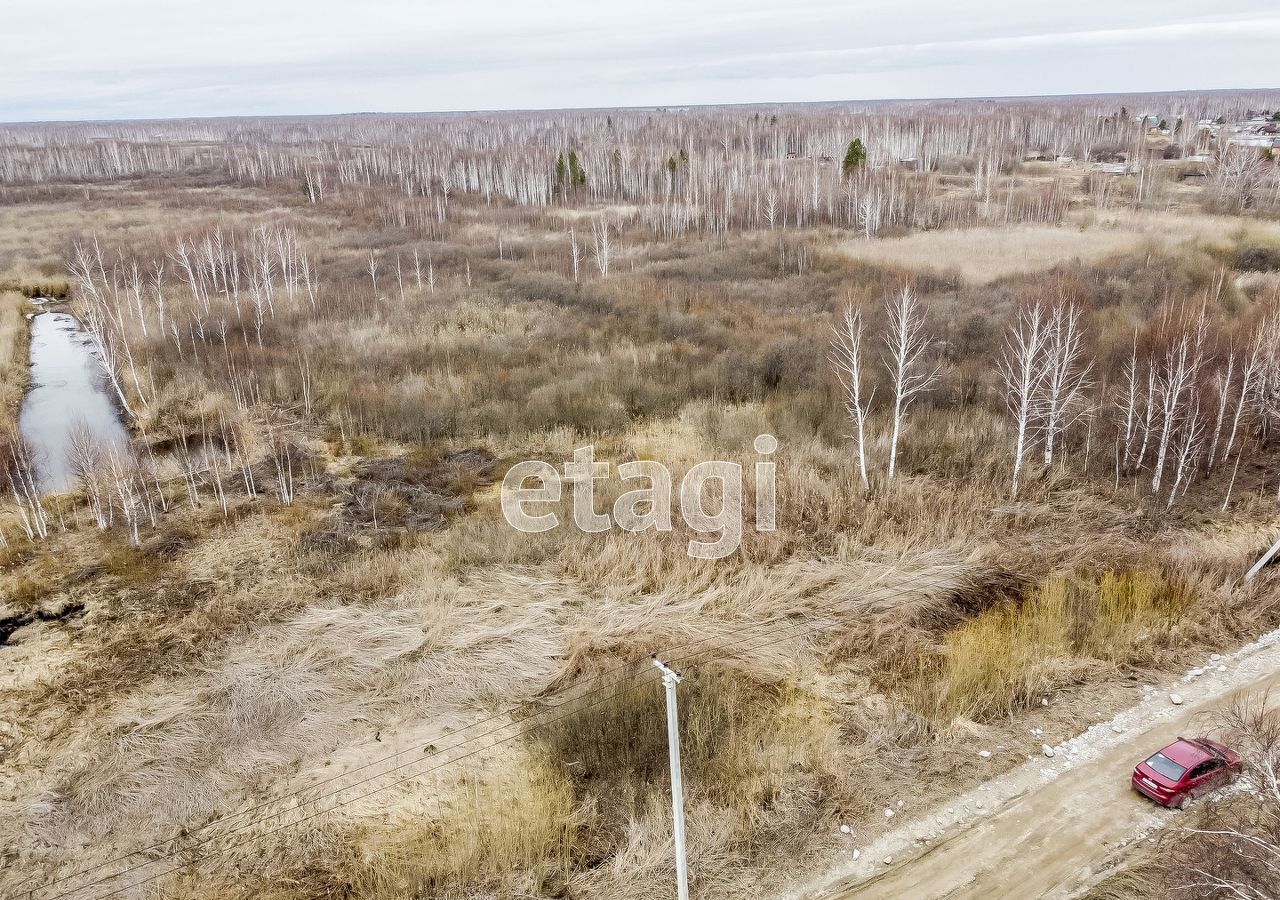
x=68 y=389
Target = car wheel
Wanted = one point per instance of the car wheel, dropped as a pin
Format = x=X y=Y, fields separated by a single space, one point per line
x=1184 y=801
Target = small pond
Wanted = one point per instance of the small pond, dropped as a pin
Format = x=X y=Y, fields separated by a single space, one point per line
x=68 y=390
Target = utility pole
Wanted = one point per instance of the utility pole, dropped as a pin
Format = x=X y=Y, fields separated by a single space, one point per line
x=1266 y=558
x=671 y=678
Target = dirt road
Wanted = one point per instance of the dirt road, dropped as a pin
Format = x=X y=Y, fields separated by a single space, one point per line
x=1046 y=829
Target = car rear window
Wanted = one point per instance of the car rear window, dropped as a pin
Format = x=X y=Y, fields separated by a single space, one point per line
x=1166 y=767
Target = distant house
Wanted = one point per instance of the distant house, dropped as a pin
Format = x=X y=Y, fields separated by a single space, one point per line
x=1115 y=168
x=1254 y=140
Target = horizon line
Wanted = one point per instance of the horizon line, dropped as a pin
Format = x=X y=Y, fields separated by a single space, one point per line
x=653 y=107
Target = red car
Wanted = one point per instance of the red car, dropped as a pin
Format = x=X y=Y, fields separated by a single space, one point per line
x=1184 y=770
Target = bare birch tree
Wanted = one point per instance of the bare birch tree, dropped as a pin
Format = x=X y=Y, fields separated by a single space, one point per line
x=1177 y=372
x=1060 y=398
x=1022 y=372
x=575 y=253
x=603 y=249
x=906 y=343
x=21 y=473
x=1187 y=446
x=126 y=491
x=1251 y=368
x=846 y=357
x=1222 y=387
x=85 y=456
x=1128 y=405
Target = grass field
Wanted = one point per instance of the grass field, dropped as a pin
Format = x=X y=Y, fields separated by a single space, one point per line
x=985 y=254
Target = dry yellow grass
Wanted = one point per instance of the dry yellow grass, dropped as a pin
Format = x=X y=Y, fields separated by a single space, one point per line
x=13 y=353
x=1132 y=616
x=1010 y=656
x=1006 y=658
x=517 y=823
x=985 y=254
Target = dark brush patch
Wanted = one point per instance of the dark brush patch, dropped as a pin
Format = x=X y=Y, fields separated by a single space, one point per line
x=11 y=624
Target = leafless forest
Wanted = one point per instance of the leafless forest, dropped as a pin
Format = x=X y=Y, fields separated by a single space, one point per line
x=1022 y=359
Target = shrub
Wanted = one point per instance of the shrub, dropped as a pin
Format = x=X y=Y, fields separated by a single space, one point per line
x=747 y=748
x=1257 y=258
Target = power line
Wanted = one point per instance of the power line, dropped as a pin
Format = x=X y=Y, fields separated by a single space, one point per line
x=779 y=624
x=799 y=627
x=640 y=682
x=222 y=820
x=577 y=690
x=254 y=837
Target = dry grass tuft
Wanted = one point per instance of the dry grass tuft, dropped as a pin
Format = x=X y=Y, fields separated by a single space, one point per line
x=758 y=759
x=1006 y=658
x=1132 y=617
x=1010 y=656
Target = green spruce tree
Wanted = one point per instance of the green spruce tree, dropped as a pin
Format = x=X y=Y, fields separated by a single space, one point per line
x=560 y=174
x=854 y=157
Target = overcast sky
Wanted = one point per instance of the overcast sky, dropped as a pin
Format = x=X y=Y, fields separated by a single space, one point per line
x=112 y=59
